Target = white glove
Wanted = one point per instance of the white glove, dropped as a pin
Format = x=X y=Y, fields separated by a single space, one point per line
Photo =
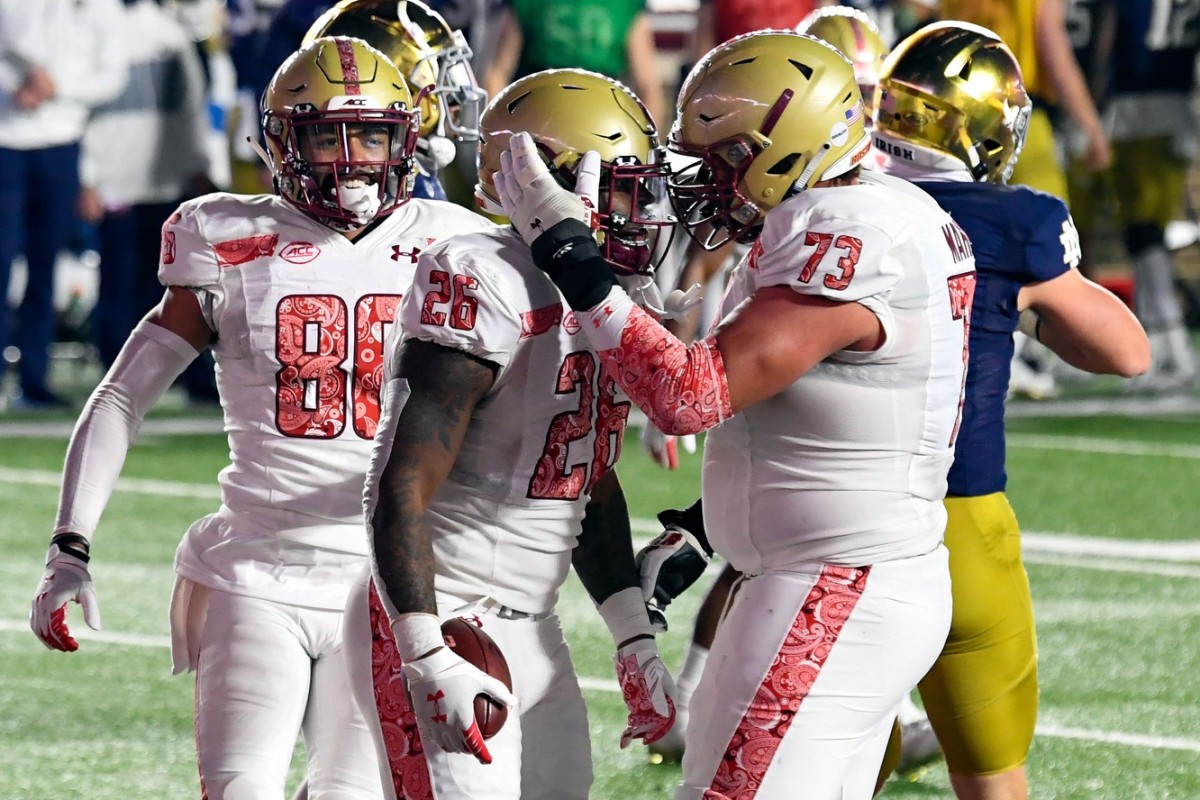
x=442 y=688
x=673 y=560
x=532 y=198
x=648 y=690
x=664 y=449
x=66 y=578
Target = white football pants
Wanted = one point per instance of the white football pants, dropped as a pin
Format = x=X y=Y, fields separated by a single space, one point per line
x=805 y=677
x=543 y=752
x=267 y=672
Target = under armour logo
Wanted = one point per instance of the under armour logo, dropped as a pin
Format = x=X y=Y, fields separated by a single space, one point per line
x=536 y=224
x=436 y=699
x=412 y=254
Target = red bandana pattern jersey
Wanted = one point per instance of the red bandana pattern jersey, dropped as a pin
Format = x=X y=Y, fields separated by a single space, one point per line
x=550 y=427
x=300 y=314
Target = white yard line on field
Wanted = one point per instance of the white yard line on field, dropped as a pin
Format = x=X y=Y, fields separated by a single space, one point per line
x=181 y=426
x=608 y=685
x=1089 y=444
x=45 y=477
x=1033 y=541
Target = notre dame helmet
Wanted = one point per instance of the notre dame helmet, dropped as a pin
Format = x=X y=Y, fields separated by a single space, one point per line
x=328 y=95
x=571 y=111
x=854 y=35
x=764 y=115
x=426 y=50
x=955 y=88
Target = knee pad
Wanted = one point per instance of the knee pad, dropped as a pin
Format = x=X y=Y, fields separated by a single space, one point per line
x=1141 y=236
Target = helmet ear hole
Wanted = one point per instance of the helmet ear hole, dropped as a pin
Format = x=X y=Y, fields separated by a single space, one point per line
x=784 y=165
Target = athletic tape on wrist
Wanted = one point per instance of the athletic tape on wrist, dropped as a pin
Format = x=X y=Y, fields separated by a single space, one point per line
x=416 y=635
x=624 y=613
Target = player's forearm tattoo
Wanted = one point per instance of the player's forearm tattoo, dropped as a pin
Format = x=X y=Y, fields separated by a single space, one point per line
x=445 y=385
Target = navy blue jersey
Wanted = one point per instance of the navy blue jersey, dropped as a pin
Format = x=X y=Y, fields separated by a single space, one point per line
x=1020 y=236
x=428 y=187
x=1156 y=44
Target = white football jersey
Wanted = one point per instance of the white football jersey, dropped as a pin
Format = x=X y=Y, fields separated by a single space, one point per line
x=848 y=465
x=301 y=314
x=506 y=520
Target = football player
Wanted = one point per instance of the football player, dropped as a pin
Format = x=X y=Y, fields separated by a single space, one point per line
x=430 y=54
x=294 y=293
x=831 y=387
x=981 y=694
x=494 y=458
x=855 y=36
x=1154 y=134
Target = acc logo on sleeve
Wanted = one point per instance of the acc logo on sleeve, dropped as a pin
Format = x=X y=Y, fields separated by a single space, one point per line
x=299 y=252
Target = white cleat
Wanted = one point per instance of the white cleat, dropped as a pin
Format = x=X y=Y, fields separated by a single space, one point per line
x=1025 y=381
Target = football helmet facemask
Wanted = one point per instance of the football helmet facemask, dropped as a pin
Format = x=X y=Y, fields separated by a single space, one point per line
x=854 y=35
x=426 y=50
x=956 y=89
x=571 y=111
x=340 y=130
x=764 y=115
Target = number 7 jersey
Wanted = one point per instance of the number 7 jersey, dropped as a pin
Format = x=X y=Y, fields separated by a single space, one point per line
x=300 y=314
x=507 y=518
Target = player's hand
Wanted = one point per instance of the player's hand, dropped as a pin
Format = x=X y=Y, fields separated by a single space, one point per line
x=675 y=559
x=532 y=198
x=648 y=690
x=66 y=579
x=664 y=449
x=442 y=688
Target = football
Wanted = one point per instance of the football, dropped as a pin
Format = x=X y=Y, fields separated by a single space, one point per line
x=471 y=644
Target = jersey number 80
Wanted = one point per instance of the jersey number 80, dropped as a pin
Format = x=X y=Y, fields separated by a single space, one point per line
x=311 y=344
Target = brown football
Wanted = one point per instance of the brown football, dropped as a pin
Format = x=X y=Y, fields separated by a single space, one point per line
x=471 y=644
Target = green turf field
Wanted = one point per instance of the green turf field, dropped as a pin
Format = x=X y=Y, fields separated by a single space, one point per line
x=1109 y=505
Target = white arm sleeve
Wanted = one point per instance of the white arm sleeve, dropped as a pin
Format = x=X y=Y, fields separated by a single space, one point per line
x=147 y=365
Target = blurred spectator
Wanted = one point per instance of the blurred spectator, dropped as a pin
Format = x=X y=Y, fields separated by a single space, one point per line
x=1090 y=28
x=1155 y=139
x=58 y=59
x=719 y=21
x=162 y=123
x=612 y=37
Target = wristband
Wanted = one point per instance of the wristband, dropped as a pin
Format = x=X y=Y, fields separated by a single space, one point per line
x=1030 y=323
x=568 y=253
x=417 y=635
x=624 y=613
x=73 y=544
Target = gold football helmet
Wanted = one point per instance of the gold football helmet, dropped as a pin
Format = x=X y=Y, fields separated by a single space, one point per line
x=955 y=88
x=571 y=111
x=854 y=35
x=427 y=51
x=765 y=115
x=340 y=129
